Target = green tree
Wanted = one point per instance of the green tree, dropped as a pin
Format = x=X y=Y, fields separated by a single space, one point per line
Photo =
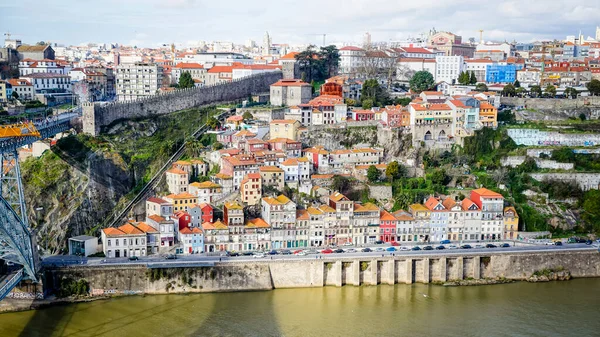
x=591 y=207
x=421 y=81
x=394 y=170
x=217 y=146
x=528 y=166
x=367 y=104
x=563 y=155
x=404 y=101
x=536 y=91
x=473 y=79
x=464 y=78
x=186 y=81
x=312 y=65
x=571 y=92
x=594 y=87
x=247 y=116
x=330 y=56
x=373 y=91
x=481 y=87
x=521 y=91
x=350 y=101
x=439 y=177
x=509 y=90
x=373 y=173
x=340 y=184
x=213 y=123
x=517 y=84
x=550 y=91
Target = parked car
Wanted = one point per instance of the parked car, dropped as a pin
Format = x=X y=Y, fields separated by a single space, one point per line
x=301 y=253
x=350 y=250
x=171 y=257
x=338 y=251
x=298 y=251
x=453 y=247
x=380 y=249
x=588 y=242
x=427 y=248
x=348 y=244
x=133 y=258
x=234 y=254
x=395 y=244
x=286 y=252
x=273 y=252
x=489 y=245
x=558 y=243
x=404 y=248
x=416 y=248
x=505 y=245
x=445 y=242
x=466 y=247
x=390 y=249
x=327 y=251
x=258 y=255
x=312 y=251
x=378 y=242
x=247 y=253
x=478 y=246
x=366 y=250
x=440 y=247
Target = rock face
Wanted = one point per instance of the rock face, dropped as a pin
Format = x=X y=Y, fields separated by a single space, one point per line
x=71 y=203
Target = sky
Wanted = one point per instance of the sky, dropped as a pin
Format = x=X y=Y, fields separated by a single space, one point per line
x=153 y=22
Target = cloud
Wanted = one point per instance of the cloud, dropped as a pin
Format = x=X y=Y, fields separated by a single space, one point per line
x=294 y=21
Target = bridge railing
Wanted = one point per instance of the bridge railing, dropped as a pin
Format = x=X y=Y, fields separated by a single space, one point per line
x=10 y=283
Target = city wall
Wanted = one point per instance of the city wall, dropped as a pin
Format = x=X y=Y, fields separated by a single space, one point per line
x=96 y=116
x=267 y=274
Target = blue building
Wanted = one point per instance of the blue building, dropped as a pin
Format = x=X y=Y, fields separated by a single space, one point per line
x=497 y=73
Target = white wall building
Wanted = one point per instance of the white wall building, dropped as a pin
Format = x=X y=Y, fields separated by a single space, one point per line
x=449 y=68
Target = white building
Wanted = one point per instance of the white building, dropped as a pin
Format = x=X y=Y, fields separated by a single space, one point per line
x=407 y=67
x=449 y=68
x=49 y=81
x=125 y=241
x=197 y=71
x=351 y=59
x=136 y=80
x=479 y=67
x=177 y=180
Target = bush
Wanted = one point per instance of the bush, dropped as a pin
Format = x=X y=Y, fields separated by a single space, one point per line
x=69 y=287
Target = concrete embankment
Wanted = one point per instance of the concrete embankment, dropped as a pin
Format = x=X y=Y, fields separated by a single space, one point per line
x=106 y=280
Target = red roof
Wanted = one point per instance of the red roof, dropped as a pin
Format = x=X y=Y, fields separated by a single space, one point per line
x=220 y=69
x=189 y=66
x=416 y=50
x=157 y=200
x=352 y=48
x=290 y=56
x=290 y=83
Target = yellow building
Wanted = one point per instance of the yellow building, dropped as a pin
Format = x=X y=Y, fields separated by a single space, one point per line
x=182 y=201
x=251 y=189
x=421 y=216
x=284 y=128
x=272 y=176
x=488 y=115
x=3 y=97
x=511 y=223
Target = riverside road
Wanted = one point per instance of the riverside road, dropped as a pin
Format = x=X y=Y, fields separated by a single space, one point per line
x=158 y=261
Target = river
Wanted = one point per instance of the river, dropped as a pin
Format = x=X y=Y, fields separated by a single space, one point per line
x=518 y=309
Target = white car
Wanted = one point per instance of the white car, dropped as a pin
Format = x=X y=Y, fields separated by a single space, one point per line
x=404 y=248
x=258 y=255
x=380 y=249
x=350 y=250
x=452 y=247
x=348 y=244
x=302 y=253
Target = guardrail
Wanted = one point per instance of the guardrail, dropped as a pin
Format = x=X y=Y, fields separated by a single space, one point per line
x=10 y=284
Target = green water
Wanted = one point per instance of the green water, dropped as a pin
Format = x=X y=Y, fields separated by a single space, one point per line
x=519 y=309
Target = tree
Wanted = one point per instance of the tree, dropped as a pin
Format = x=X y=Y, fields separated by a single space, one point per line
x=550 y=91
x=350 y=101
x=473 y=79
x=481 y=87
x=421 y=81
x=331 y=60
x=340 y=183
x=404 y=101
x=217 y=146
x=509 y=90
x=310 y=63
x=373 y=173
x=367 y=104
x=517 y=84
x=186 y=81
x=591 y=207
x=247 y=116
x=213 y=123
x=594 y=87
x=15 y=95
x=536 y=91
x=464 y=78
x=395 y=170
x=521 y=91
x=571 y=92
x=371 y=90
x=439 y=177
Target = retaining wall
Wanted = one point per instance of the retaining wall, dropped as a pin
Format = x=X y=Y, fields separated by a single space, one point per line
x=96 y=116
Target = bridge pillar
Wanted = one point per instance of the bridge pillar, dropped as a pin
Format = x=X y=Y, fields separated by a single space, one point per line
x=388 y=272
x=460 y=265
x=426 y=270
x=443 y=269
x=409 y=271
x=353 y=273
x=477 y=267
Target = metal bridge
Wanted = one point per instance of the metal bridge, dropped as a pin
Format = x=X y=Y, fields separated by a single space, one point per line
x=16 y=239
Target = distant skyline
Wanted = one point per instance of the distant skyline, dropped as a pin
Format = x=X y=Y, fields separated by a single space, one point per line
x=150 y=23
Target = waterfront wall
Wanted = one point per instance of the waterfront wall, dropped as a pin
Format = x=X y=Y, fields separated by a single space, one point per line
x=267 y=274
x=96 y=116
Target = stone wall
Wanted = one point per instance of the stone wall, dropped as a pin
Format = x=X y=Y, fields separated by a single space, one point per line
x=555 y=108
x=96 y=116
x=514 y=161
x=586 y=181
x=535 y=137
x=380 y=192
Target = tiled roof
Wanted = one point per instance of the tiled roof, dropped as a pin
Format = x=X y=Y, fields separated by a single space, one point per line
x=386 y=216
x=177 y=171
x=205 y=185
x=290 y=83
x=144 y=227
x=189 y=66
x=184 y=195
x=484 y=192
x=337 y=196
x=257 y=223
x=270 y=169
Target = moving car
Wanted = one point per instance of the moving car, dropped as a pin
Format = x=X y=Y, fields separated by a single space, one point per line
x=427 y=248
x=489 y=245
x=558 y=243
x=234 y=254
x=440 y=247
x=366 y=250
x=258 y=255
x=403 y=248
x=505 y=245
x=285 y=252
x=301 y=253
x=350 y=250
x=453 y=247
x=380 y=249
x=378 y=242
x=445 y=242
x=466 y=247
x=338 y=251
x=133 y=258
x=327 y=251
x=588 y=242
x=390 y=249
x=247 y=253
x=416 y=248
x=273 y=252
x=171 y=257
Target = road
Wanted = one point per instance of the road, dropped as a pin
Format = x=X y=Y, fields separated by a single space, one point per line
x=157 y=261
